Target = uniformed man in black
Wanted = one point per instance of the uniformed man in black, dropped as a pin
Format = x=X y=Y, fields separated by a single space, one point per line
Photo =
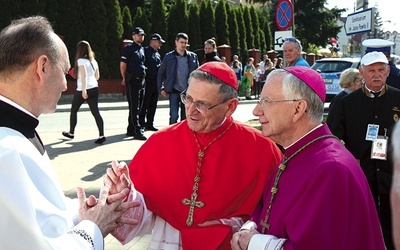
x=364 y=121
x=152 y=63
x=133 y=73
x=384 y=46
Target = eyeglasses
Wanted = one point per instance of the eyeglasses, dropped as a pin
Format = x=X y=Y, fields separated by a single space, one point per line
x=293 y=40
x=201 y=107
x=263 y=102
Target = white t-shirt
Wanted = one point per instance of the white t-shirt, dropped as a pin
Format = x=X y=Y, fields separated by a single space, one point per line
x=91 y=81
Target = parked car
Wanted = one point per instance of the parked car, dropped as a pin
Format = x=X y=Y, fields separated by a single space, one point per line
x=331 y=69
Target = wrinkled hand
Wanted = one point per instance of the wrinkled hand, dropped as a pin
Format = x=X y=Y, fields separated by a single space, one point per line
x=241 y=239
x=107 y=216
x=118 y=175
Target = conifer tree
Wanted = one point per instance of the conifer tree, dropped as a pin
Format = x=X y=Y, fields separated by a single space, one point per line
x=256 y=27
x=159 y=22
x=127 y=23
x=177 y=21
x=194 y=28
x=264 y=19
x=207 y=25
x=233 y=30
x=221 y=21
x=114 y=36
x=94 y=18
x=141 y=20
x=249 y=28
x=69 y=25
x=242 y=34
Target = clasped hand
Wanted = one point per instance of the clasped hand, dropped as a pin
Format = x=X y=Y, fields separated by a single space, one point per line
x=106 y=211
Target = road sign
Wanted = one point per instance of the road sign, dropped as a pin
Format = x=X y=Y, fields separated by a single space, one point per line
x=284 y=14
x=280 y=39
x=359 y=22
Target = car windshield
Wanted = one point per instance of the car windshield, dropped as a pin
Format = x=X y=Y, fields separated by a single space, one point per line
x=331 y=67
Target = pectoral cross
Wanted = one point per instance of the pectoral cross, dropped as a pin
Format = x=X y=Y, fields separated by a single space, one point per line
x=192 y=203
x=265 y=226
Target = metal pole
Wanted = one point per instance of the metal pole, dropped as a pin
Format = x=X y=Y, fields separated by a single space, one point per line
x=293 y=27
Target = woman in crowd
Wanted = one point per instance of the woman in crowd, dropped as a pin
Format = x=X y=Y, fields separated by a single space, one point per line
x=350 y=80
x=86 y=71
x=210 y=51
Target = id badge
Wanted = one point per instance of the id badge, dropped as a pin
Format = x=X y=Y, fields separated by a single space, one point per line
x=372 y=132
x=379 y=148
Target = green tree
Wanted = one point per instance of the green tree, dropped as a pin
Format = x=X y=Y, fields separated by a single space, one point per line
x=95 y=23
x=263 y=45
x=141 y=20
x=177 y=21
x=207 y=25
x=233 y=30
x=377 y=32
x=194 y=27
x=159 y=22
x=256 y=27
x=114 y=36
x=242 y=33
x=70 y=25
x=221 y=23
x=249 y=28
x=264 y=19
x=127 y=23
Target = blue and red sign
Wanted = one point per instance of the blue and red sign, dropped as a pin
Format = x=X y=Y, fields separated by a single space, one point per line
x=284 y=14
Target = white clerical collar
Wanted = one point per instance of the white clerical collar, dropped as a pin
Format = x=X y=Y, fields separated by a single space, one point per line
x=304 y=136
x=6 y=100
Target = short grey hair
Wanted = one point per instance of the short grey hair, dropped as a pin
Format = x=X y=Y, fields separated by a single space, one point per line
x=227 y=92
x=24 y=40
x=293 y=88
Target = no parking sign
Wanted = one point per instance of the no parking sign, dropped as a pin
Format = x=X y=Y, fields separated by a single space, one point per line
x=284 y=14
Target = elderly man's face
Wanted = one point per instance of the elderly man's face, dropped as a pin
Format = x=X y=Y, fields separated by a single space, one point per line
x=375 y=75
x=201 y=92
x=276 y=118
x=291 y=52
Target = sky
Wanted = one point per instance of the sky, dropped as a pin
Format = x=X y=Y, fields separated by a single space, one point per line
x=387 y=11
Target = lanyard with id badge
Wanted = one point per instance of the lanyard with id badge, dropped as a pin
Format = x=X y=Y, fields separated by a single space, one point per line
x=379 y=142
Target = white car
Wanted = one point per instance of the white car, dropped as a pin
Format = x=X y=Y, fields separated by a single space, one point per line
x=331 y=69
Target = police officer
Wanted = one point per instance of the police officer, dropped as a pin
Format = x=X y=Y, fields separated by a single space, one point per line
x=384 y=46
x=133 y=73
x=152 y=63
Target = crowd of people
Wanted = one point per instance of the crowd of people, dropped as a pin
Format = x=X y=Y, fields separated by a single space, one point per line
x=311 y=185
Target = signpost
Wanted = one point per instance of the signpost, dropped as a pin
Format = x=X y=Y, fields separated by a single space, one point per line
x=280 y=39
x=284 y=14
x=359 y=22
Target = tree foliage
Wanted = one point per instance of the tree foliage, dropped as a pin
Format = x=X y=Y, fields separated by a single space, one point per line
x=242 y=34
x=159 y=22
x=221 y=23
x=207 y=25
x=194 y=27
x=256 y=27
x=105 y=23
x=114 y=35
x=233 y=30
x=248 y=28
x=127 y=23
x=177 y=21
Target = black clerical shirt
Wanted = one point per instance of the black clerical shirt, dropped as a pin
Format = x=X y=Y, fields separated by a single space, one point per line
x=14 y=118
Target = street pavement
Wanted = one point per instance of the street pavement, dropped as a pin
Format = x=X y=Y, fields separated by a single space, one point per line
x=81 y=162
